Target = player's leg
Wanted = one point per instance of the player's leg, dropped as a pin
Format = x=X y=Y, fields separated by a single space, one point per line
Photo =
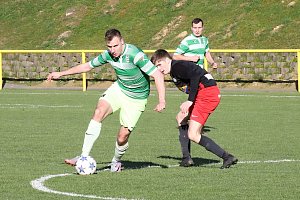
x=103 y=109
x=185 y=143
x=210 y=145
x=206 y=104
x=120 y=148
x=130 y=113
x=106 y=105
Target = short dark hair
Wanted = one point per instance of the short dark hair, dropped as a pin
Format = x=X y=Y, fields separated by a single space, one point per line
x=159 y=54
x=197 y=21
x=111 y=33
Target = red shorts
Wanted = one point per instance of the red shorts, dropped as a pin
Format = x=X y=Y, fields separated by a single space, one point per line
x=205 y=103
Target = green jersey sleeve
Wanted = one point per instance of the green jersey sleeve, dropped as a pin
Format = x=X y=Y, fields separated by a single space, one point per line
x=142 y=61
x=99 y=60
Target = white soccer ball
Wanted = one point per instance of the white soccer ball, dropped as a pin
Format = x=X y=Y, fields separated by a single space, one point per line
x=86 y=165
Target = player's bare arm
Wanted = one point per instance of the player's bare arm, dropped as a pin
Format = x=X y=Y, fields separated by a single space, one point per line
x=187 y=58
x=160 y=86
x=85 y=67
x=211 y=60
x=184 y=108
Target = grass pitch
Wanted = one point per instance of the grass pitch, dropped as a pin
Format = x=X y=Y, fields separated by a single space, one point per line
x=39 y=129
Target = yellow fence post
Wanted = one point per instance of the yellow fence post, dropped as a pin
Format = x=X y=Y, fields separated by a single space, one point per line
x=83 y=74
x=1 y=82
x=298 y=69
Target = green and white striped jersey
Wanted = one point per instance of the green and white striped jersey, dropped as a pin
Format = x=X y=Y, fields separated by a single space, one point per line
x=132 y=69
x=192 y=45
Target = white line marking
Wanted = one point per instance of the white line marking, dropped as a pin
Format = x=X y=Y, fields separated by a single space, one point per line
x=38 y=184
x=239 y=95
x=175 y=95
x=50 y=93
x=36 y=106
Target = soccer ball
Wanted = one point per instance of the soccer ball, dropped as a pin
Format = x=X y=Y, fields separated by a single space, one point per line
x=85 y=165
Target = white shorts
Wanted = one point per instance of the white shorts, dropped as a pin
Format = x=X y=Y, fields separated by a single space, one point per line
x=130 y=109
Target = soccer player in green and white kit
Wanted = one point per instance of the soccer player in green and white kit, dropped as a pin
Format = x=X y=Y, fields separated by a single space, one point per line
x=129 y=93
x=193 y=48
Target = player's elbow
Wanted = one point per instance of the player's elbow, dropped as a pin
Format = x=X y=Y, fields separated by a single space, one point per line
x=176 y=57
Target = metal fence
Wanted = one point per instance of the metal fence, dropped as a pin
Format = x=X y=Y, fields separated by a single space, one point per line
x=243 y=65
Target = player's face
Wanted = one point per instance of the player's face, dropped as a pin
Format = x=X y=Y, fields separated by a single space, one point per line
x=197 y=29
x=163 y=65
x=115 y=46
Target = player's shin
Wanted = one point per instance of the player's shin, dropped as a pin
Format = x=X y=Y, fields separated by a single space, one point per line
x=211 y=146
x=119 y=152
x=91 y=135
x=184 y=141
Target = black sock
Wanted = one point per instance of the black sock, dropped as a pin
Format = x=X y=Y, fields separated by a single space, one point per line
x=211 y=146
x=184 y=140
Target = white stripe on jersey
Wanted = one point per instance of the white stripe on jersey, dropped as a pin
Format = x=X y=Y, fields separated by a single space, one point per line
x=95 y=62
x=130 y=78
x=138 y=56
x=196 y=46
x=147 y=66
x=122 y=65
x=178 y=52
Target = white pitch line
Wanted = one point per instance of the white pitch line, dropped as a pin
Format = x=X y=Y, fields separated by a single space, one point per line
x=178 y=94
x=239 y=95
x=36 y=106
x=38 y=184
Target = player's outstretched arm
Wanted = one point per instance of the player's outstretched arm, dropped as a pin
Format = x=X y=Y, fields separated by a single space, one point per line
x=160 y=86
x=85 y=67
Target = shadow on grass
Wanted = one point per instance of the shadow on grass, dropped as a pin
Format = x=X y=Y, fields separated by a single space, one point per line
x=197 y=161
x=207 y=129
x=131 y=165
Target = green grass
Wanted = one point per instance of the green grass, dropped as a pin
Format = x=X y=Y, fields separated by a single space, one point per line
x=39 y=129
x=233 y=24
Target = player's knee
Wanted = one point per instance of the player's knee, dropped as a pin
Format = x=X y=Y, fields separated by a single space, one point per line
x=123 y=136
x=102 y=110
x=100 y=113
x=181 y=119
x=122 y=140
x=191 y=135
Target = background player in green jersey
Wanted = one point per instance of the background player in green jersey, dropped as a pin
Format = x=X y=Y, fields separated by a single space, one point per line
x=129 y=93
x=193 y=48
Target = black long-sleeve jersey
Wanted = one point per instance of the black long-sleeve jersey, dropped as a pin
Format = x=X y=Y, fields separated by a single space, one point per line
x=188 y=73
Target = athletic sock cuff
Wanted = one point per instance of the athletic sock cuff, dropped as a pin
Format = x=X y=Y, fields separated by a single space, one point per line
x=123 y=147
x=94 y=127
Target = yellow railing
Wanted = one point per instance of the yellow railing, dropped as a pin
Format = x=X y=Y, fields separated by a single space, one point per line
x=83 y=53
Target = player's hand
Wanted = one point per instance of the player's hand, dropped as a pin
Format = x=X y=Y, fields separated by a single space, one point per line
x=160 y=107
x=185 y=106
x=214 y=65
x=53 y=75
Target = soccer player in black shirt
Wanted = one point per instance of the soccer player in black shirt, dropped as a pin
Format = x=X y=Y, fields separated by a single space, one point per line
x=204 y=96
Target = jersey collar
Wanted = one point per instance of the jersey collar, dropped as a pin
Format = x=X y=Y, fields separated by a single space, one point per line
x=196 y=36
x=125 y=49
